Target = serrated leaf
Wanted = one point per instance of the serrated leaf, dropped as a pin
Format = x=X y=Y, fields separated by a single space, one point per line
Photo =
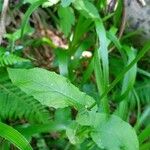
x=49 y=88
x=66 y=3
x=86 y=8
x=109 y=132
x=67 y=19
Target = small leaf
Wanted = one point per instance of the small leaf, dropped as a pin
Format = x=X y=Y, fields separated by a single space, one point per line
x=86 y=8
x=49 y=88
x=67 y=19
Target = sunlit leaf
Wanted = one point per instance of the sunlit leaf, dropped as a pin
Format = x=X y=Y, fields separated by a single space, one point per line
x=49 y=88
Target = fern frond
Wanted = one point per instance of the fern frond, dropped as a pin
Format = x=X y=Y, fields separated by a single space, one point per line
x=7 y=58
x=15 y=104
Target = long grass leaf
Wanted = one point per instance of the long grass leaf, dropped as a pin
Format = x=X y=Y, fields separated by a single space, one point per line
x=14 y=137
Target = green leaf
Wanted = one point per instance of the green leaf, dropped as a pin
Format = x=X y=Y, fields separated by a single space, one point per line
x=50 y=3
x=128 y=82
x=125 y=70
x=109 y=132
x=65 y=114
x=118 y=13
x=130 y=76
x=145 y=146
x=17 y=34
x=86 y=8
x=15 y=104
x=67 y=19
x=30 y=10
x=66 y=3
x=62 y=57
x=101 y=67
x=144 y=135
x=14 y=137
x=71 y=133
x=49 y=88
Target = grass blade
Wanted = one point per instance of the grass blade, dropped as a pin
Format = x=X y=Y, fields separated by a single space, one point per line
x=30 y=10
x=14 y=137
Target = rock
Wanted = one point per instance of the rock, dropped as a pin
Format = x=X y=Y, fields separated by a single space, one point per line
x=138 y=18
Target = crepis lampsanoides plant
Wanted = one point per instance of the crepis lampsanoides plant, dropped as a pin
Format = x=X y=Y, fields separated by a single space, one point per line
x=91 y=97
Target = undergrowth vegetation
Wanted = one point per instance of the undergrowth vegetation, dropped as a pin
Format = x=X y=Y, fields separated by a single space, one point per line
x=69 y=80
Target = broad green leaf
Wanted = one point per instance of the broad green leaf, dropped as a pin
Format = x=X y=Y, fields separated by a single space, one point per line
x=67 y=19
x=66 y=3
x=109 y=132
x=16 y=105
x=86 y=8
x=49 y=88
x=14 y=137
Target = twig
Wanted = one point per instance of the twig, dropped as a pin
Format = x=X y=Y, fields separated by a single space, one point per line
x=3 y=19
